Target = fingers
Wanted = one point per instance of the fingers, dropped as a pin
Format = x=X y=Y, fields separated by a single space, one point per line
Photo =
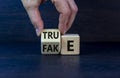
x=74 y=10
x=31 y=7
x=67 y=10
x=36 y=20
x=64 y=10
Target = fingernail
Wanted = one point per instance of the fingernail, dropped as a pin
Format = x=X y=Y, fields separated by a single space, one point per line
x=64 y=32
x=38 y=32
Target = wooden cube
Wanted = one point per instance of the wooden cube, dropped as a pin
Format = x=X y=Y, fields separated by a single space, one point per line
x=50 y=41
x=70 y=44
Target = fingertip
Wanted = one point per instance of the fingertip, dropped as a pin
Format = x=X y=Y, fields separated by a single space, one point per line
x=38 y=31
x=62 y=31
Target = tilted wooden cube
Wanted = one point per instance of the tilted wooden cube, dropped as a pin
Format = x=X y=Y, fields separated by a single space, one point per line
x=50 y=41
x=70 y=44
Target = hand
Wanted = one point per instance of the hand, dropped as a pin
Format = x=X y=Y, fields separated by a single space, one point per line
x=66 y=8
x=32 y=8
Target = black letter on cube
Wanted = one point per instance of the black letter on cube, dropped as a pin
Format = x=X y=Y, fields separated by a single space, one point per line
x=50 y=41
x=70 y=44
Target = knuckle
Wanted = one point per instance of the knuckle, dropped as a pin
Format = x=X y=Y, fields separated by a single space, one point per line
x=75 y=9
x=67 y=12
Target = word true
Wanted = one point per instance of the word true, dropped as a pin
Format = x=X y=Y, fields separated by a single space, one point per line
x=53 y=43
x=51 y=35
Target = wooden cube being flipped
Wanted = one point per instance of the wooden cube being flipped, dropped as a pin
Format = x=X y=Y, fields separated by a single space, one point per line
x=70 y=44
x=50 y=41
